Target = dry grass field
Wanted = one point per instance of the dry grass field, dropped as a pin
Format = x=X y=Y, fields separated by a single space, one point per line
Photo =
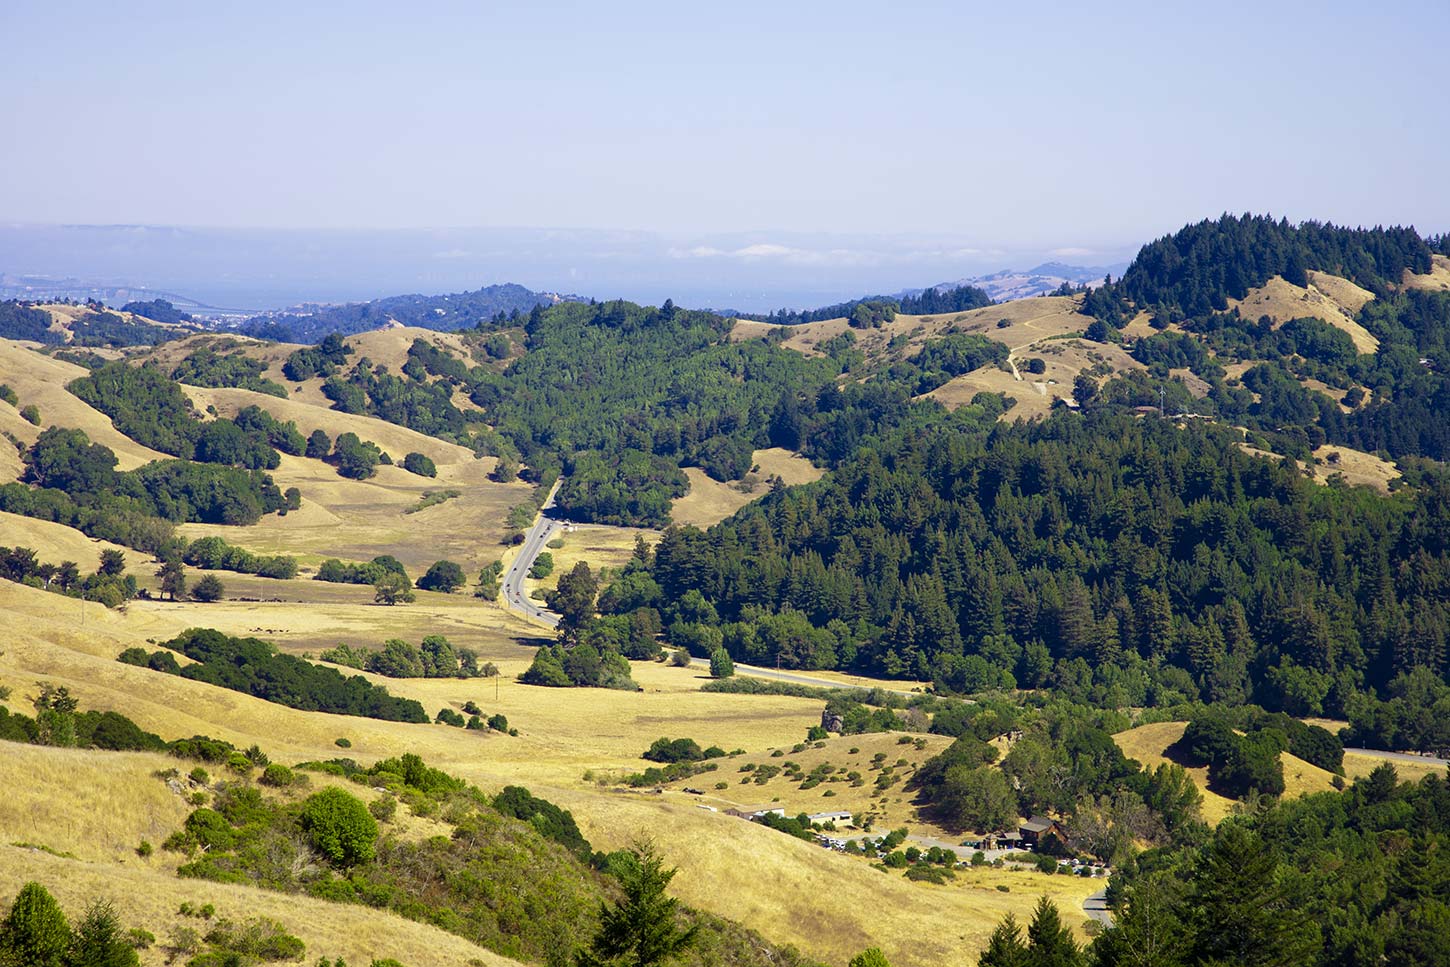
x=1027 y=320
x=601 y=546
x=828 y=904
x=41 y=380
x=888 y=809
x=1036 y=393
x=148 y=896
x=1436 y=280
x=1148 y=744
x=360 y=519
x=1328 y=298
x=1357 y=467
x=54 y=543
x=710 y=501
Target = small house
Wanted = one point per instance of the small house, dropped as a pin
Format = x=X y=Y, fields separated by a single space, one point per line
x=1039 y=828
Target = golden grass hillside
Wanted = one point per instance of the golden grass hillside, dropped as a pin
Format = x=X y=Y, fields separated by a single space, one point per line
x=1336 y=304
x=361 y=519
x=887 y=808
x=710 y=501
x=41 y=380
x=149 y=898
x=54 y=543
x=828 y=904
x=1436 y=280
x=1026 y=321
x=168 y=354
x=1355 y=466
x=1035 y=393
x=1149 y=743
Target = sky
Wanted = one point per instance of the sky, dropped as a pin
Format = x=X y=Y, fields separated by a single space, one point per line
x=743 y=136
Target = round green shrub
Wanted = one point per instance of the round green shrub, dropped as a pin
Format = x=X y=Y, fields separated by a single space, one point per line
x=340 y=827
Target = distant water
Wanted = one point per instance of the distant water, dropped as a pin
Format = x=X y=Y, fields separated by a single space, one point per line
x=255 y=269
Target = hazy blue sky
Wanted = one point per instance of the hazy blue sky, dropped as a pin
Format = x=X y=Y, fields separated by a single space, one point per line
x=1080 y=128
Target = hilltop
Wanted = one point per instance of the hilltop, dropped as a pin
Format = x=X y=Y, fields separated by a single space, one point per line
x=459 y=310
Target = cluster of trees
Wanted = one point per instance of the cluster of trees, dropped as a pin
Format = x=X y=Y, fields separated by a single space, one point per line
x=1333 y=878
x=207 y=367
x=1121 y=561
x=355 y=458
x=36 y=933
x=215 y=554
x=75 y=483
x=1196 y=270
x=494 y=304
x=21 y=321
x=324 y=359
x=669 y=751
x=434 y=657
x=582 y=665
x=942 y=359
x=372 y=572
x=58 y=721
x=1415 y=714
x=101 y=328
x=444 y=577
x=420 y=464
x=109 y=584
x=1238 y=765
x=151 y=409
x=932 y=301
x=158 y=310
x=418 y=405
x=255 y=667
x=628 y=394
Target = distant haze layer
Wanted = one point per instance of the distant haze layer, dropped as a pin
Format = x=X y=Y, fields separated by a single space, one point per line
x=254 y=269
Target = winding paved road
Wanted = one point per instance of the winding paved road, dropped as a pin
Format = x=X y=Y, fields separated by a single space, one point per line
x=771 y=674
x=1401 y=756
x=536 y=538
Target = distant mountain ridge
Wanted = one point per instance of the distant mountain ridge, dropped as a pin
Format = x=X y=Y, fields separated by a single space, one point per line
x=445 y=313
x=1041 y=279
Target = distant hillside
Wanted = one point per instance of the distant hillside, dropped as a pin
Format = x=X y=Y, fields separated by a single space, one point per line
x=1048 y=277
x=90 y=325
x=458 y=310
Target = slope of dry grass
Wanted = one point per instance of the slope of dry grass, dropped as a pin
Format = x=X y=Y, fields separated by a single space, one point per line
x=148 y=897
x=1282 y=301
x=1149 y=743
x=1436 y=280
x=54 y=543
x=710 y=501
x=889 y=809
x=41 y=380
x=828 y=904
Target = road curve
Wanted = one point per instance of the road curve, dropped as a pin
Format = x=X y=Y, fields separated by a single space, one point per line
x=1401 y=756
x=1096 y=907
x=771 y=674
x=536 y=538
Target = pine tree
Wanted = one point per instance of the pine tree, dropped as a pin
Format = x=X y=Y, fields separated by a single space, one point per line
x=1049 y=941
x=99 y=942
x=642 y=929
x=1241 y=910
x=1005 y=947
x=36 y=933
